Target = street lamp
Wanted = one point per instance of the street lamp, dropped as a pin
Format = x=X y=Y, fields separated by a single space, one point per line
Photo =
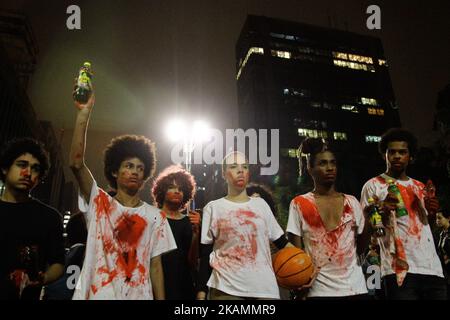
x=178 y=131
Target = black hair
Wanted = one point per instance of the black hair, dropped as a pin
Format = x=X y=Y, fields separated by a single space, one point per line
x=308 y=151
x=183 y=179
x=19 y=146
x=398 y=134
x=264 y=193
x=128 y=146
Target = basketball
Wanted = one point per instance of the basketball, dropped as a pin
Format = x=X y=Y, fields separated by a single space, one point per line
x=293 y=267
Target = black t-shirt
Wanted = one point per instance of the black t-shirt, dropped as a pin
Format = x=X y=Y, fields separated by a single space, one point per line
x=178 y=281
x=32 y=239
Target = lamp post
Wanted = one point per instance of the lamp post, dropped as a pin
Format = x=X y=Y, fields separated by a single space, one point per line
x=191 y=137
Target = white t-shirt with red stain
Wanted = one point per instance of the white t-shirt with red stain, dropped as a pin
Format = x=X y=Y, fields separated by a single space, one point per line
x=417 y=238
x=334 y=251
x=241 y=260
x=121 y=242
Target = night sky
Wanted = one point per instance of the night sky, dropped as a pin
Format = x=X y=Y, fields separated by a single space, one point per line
x=157 y=58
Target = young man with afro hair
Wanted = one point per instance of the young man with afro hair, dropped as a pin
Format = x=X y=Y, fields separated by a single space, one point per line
x=410 y=266
x=126 y=236
x=32 y=233
x=173 y=190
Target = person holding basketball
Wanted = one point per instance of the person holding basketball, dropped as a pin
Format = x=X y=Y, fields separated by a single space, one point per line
x=236 y=230
x=330 y=227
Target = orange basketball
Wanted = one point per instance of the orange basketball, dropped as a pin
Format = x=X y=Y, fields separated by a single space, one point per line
x=293 y=267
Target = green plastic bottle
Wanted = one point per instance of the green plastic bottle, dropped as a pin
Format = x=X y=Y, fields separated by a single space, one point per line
x=401 y=208
x=376 y=220
x=84 y=83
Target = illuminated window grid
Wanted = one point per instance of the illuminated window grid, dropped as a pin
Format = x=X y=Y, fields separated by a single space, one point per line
x=312 y=133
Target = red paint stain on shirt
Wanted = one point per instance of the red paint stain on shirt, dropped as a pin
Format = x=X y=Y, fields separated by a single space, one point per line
x=333 y=246
x=411 y=200
x=128 y=232
x=309 y=212
x=238 y=233
x=103 y=204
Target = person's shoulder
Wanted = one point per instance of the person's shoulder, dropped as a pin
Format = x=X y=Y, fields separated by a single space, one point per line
x=150 y=210
x=417 y=182
x=216 y=202
x=350 y=197
x=45 y=209
x=303 y=197
x=374 y=182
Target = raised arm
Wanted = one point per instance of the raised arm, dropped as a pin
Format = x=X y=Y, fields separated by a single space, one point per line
x=77 y=149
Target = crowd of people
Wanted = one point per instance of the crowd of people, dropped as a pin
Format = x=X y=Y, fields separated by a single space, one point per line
x=126 y=248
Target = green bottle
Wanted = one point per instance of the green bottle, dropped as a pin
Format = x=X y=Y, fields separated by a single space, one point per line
x=84 y=83
x=376 y=219
x=401 y=209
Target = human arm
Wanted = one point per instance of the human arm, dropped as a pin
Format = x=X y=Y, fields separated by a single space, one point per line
x=78 y=147
x=157 y=278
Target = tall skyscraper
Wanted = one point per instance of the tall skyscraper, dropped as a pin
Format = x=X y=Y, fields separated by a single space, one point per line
x=311 y=81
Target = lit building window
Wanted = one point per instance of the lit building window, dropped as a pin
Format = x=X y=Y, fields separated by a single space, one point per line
x=351 y=65
x=358 y=58
x=252 y=50
x=281 y=54
x=382 y=62
x=339 y=136
x=311 y=133
x=277 y=35
x=296 y=92
x=375 y=111
x=373 y=139
x=340 y=55
x=293 y=153
x=350 y=108
x=352 y=57
x=369 y=101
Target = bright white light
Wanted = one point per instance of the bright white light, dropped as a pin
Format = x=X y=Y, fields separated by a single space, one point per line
x=176 y=130
x=201 y=131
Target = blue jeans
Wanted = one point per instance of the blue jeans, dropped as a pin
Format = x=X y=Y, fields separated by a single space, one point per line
x=415 y=287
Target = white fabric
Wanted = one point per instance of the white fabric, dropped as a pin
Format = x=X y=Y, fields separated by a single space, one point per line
x=241 y=260
x=121 y=242
x=333 y=251
x=417 y=238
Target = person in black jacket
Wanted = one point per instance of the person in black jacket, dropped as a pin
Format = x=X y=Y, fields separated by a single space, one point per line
x=32 y=232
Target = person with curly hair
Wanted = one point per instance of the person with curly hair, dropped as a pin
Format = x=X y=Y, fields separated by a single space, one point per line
x=173 y=190
x=126 y=236
x=410 y=266
x=32 y=233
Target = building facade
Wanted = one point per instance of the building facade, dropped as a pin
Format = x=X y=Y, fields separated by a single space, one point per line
x=318 y=82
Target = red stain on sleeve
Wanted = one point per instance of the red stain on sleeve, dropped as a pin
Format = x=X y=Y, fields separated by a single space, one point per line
x=102 y=203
